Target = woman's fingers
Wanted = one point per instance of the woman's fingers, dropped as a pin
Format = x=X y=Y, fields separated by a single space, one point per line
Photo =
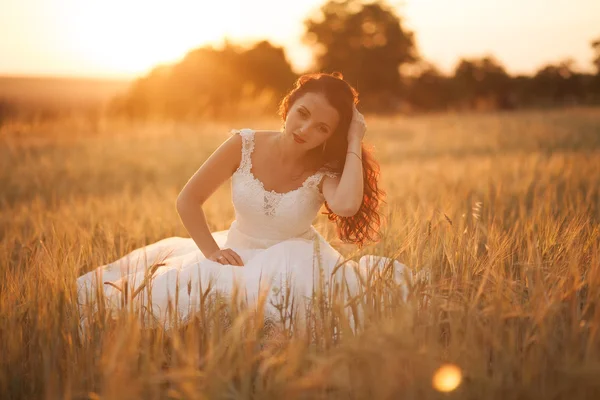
x=219 y=257
x=227 y=258
x=214 y=257
x=237 y=257
x=230 y=257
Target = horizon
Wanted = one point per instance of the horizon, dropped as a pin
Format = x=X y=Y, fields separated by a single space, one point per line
x=72 y=41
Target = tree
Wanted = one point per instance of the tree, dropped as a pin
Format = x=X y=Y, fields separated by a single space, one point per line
x=428 y=89
x=367 y=43
x=596 y=60
x=481 y=83
x=267 y=68
x=558 y=84
x=595 y=81
x=211 y=82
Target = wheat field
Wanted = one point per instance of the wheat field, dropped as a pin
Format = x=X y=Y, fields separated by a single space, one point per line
x=499 y=213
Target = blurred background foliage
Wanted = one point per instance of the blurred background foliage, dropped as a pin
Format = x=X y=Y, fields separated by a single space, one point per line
x=369 y=44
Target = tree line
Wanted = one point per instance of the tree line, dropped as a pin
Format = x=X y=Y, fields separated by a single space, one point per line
x=375 y=52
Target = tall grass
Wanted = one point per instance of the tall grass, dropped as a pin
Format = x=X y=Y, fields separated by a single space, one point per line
x=498 y=214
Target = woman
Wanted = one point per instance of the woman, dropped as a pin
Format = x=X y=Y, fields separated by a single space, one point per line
x=280 y=180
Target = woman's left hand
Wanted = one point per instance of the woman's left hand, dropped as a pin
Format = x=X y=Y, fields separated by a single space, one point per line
x=358 y=127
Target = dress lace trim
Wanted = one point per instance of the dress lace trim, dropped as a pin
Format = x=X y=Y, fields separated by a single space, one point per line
x=271 y=198
x=247 y=149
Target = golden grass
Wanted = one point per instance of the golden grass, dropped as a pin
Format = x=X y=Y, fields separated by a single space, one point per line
x=502 y=211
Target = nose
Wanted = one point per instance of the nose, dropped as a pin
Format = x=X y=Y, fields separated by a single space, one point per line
x=302 y=130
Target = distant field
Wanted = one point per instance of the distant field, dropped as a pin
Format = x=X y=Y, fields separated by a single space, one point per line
x=502 y=210
x=26 y=96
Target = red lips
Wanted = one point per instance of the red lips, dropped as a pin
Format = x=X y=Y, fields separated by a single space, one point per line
x=297 y=139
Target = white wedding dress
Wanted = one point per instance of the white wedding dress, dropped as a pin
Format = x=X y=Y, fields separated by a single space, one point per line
x=272 y=233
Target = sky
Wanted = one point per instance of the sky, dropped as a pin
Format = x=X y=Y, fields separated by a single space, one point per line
x=126 y=38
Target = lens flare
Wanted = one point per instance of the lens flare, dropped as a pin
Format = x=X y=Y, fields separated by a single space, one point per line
x=447 y=378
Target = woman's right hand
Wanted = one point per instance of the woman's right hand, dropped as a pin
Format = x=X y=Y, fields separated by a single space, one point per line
x=226 y=257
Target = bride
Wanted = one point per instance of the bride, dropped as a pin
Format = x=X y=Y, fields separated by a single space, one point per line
x=280 y=180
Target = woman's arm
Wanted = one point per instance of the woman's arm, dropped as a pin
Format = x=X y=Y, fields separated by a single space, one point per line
x=344 y=195
x=215 y=170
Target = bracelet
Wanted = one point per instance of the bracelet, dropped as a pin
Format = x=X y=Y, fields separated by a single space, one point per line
x=359 y=157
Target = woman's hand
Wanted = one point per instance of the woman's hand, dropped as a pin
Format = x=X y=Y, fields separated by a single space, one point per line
x=358 y=127
x=226 y=257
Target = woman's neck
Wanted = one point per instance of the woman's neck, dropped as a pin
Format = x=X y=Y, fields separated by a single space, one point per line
x=290 y=155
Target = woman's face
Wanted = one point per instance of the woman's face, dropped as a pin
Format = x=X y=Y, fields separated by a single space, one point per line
x=310 y=121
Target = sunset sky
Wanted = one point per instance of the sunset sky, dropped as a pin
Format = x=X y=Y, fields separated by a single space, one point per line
x=125 y=38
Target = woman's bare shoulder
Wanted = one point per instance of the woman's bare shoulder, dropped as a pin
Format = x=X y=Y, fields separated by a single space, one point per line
x=258 y=133
x=266 y=133
x=264 y=136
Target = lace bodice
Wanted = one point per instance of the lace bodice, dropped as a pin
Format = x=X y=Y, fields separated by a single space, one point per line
x=271 y=215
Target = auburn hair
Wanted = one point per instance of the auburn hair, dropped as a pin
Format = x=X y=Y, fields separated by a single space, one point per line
x=364 y=226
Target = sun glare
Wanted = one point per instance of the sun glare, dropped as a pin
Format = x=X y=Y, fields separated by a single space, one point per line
x=133 y=36
x=447 y=378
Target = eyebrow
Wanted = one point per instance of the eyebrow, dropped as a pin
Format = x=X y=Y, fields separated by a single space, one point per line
x=322 y=123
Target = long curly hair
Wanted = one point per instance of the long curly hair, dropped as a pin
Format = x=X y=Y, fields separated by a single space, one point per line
x=364 y=226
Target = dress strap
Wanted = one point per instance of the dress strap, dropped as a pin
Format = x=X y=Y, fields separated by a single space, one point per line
x=314 y=181
x=247 y=148
x=330 y=174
